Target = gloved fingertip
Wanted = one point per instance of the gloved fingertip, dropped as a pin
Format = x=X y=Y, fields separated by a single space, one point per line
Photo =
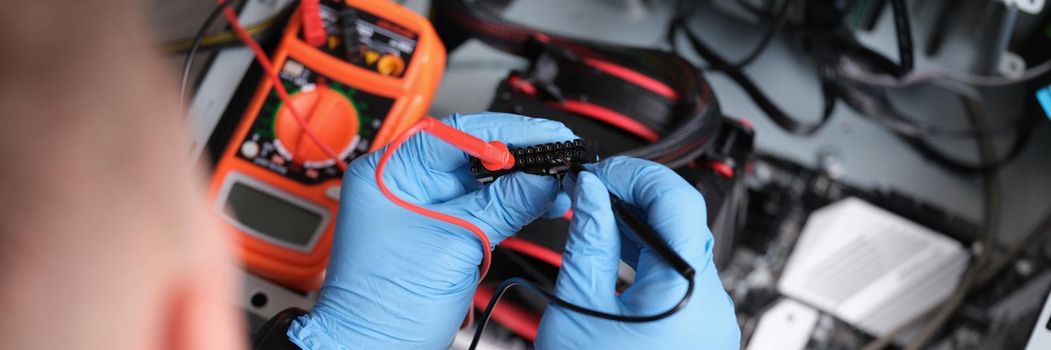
x=589 y=192
x=531 y=192
x=560 y=206
x=592 y=252
x=546 y=183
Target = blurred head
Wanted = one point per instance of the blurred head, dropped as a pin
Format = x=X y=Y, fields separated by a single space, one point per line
x=104 y=239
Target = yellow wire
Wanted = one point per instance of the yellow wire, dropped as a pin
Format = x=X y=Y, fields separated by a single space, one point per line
x=216 y=38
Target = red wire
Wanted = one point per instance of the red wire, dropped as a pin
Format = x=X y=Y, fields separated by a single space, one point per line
x=534 y=250
x=611 y=117
x=522 y=85
x=387 y=153
x=271 y=72
x=593 y=111
x=631 y=76
x=568 y=215
x=320 y=84
x=517 y=319
x=424 y=125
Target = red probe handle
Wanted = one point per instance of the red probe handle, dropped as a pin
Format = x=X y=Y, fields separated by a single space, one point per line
x=313 y=28
x=493 y=154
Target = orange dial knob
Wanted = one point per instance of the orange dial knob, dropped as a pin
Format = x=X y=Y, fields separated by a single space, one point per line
x=328 y=114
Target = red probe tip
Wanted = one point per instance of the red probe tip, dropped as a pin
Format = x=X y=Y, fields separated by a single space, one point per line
x=497 y=157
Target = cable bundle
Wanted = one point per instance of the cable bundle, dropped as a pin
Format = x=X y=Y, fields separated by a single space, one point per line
x=854 y=74
x=657 y=96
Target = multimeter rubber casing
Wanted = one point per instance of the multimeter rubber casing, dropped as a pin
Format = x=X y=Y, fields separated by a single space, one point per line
x=273 y=186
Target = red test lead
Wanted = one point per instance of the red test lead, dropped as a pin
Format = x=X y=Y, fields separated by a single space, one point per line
x=313 y=28
x=494 y=155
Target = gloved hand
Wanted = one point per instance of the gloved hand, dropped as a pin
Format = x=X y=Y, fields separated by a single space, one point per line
x=399 y=280
x=589 y=268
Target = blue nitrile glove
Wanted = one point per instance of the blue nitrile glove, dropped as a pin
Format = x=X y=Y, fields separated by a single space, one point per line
x=399 y=280
x=589 y=269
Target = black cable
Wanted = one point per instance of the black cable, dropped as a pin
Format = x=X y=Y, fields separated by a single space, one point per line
x=187 y=64
x=637 y=229
x=772 y=29
x=833 y=48
x=683 y=9
x=699 y=120
x=869 y=101
x=525 y=266
x=992 y=195
x=690 y=138
x=1033 y=237
x=207 y=47
x=929 y=152
x=904 y=36
x=878 y=110
x=776 y=114
x=776 y=19
x=873 y=104
x=755 y=10
x=551 y=297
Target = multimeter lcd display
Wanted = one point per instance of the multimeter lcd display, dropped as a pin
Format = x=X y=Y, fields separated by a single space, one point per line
x=254 y=209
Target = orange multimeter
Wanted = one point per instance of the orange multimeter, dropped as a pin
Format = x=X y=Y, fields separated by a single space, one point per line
x=373 y=76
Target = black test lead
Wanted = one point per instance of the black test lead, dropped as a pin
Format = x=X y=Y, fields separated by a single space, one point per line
x=641 y=231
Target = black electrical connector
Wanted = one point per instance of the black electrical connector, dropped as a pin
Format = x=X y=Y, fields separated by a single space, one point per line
x=543 y=159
